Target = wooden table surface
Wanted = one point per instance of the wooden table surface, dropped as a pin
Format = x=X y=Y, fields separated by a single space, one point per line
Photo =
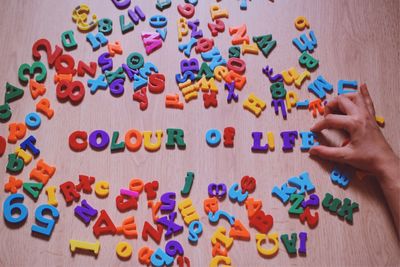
x=357 y=40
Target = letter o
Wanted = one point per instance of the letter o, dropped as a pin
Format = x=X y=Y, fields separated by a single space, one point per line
x=213 y=137
x=104 y=140
x=33 y=120
x=133 y=146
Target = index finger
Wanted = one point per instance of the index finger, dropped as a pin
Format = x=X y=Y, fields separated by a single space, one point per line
x=342 y=104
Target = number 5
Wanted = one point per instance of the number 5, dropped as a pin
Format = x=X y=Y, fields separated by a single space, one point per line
x=48 y=227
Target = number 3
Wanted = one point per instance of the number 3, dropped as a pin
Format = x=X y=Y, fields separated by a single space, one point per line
x=41 y=76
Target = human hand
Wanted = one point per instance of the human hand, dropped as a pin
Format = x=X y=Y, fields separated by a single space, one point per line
x=367 y=148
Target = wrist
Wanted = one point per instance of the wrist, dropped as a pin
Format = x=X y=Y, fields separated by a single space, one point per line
x=388 y=167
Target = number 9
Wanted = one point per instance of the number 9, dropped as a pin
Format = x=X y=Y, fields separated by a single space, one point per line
x=9 y=207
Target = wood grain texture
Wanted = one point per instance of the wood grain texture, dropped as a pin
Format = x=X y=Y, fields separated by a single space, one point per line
x=357 y=40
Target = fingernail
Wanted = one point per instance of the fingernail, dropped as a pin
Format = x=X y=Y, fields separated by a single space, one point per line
x=364 y=90
x=345 y=142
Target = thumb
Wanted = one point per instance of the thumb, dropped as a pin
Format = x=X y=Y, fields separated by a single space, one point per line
x=337 y=154
x=367 y=99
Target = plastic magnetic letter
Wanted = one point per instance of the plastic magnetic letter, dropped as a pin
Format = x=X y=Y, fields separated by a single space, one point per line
x=261 y=222
x=195 y=229
x=96 y=40
x=124 y=250
x=170 y=225
x=15 y=164
x=5 y=112
x=163 y=4
x=188 y=211
x=265 y=43
x=154 y=233
x=85 y=246
x=151 y=189
x=303 y=43
x=210 y=205
x=121 y=4
x=42 y=172
x=108 y=228
x=173 y=248
x=215 y=217
x=168 y=202
x=229 y=135
x=13 y=185
x=308 y=61
x=213 y=137
x=101 y=189
x=43 y=106
x=248 y=184
x=69 y=192
x=160 y=258
x=288 y=138
x=33 y=120
x=296 y=201
x=272 y=238
x=307 y=140
x=347 y=209
x=217 y=190
x=13 y=93
x=68 y=40
x=49 y=223
x=338 y=177
x=219 y=235
x=302 y=183
x=128 y=228
x=290 y=245
x=238 y=231
x=33 y=189
x=148 y=145
x=303 y=240
x=128 y=137
x=283 y=193
x=343 y=83
x=175 y=136
x=13 y=205
x=279 y=103
x=29 y=143
x=236 y=194
x=85 y=212
x=319 y=87
x=51 y=195
x=254 y=105
x=144 y=255
x=114 y=146
x=17 y=131
x=301 y=23
x=188 y=184
x=215 y=261
x=74 y=144
x=330 y=203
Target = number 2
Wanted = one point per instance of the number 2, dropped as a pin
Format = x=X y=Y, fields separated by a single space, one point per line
x=44 y=44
